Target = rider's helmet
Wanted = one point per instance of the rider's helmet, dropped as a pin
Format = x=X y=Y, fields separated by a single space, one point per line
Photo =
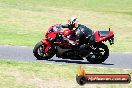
x=73 y=23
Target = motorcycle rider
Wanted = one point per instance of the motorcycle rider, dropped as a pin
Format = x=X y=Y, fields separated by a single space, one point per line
x=71 y=31
x=73 y=25
x=69 y=34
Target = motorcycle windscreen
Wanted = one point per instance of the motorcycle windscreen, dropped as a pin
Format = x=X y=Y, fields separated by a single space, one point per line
x=57 y=27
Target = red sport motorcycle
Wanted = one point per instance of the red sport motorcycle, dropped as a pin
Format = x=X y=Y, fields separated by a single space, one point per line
x=90 y=45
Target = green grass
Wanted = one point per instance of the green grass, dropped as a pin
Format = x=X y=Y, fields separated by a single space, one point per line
x=37 y=74
x=24 y=22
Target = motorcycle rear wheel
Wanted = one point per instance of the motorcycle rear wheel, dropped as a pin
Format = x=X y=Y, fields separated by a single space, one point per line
x=100 y=54
x=40 y=54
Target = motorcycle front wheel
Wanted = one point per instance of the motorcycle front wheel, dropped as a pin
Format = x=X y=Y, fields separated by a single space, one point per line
x=40 y=54
x=99 y=54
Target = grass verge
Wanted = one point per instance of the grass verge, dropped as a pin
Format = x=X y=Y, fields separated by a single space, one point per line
x=40 y=75
x=25 y=22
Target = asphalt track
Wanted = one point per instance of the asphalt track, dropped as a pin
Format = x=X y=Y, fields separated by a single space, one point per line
x=115 y=60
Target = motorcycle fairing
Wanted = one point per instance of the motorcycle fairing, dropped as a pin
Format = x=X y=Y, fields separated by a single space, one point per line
x=101 y=36
x=52 y=35
x=47 y=45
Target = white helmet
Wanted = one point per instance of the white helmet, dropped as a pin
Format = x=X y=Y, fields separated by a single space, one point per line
x=73 y=22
